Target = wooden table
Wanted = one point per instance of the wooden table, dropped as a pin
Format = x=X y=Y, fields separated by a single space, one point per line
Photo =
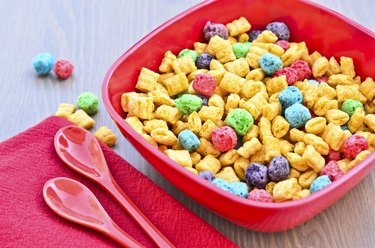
x=93 y=34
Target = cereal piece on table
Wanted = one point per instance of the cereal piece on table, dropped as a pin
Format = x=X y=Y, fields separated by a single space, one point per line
x=301 y=194
x=334 y=67
x=181 y=157
x=65 y=110
x=207 y=148
x=320 y=67
x=195 y=157
x=240 y=119
x=63 y=69
x=259 y=156
x=253 y=55
x=232 y=83
x=320 y=183
x=227 y=174
x=280 y=29
x=278 y=169
x=276 y=84
x=367 y=88
x=299 y=148
x=285 y=146
x=105 y=135
x=239 y=67
x=313 y=158
x=350 y=105
x=270 y=63
x=292 y=55
x=164 y=136
x=370 y=121
x=153 y=124
x=332 y=170
x=176 y=84
x=356 y=120
x=249 y=148
x=147 y=80
x=222 y=49
x=187 y=52
x=302 y=68
x=211 y=29
x=184 y=65
x=88 y=102
x=354 y=145
x=294 y=173
x=271 y=110
x=210 y=163
x=260 y=195
x=240 y=166
x=229 y=157
x=224 y=138
x=256 y=175
x=297 y=115
x=43 y=63
x=334 y=136
x=251 y=133
x=168 y=113
x=316 y=125
x=187 y=103
x=271 y=147
x=166 y=63
x=326 y=90
x=347 y=66
x=359 y=158
x=241 y=49
x=210 y=113
x=337 y=117
x=284 y=190
x=280 y=127
x=239 y=26
x=323 y=104
x=307 y=178
x=188 y=140
x=296 y=161
x=338 y=79
x=135 y=123
x=82 y=119
x=255 y=75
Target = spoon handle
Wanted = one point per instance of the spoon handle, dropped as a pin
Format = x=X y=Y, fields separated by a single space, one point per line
x=117 y=234
x=128 y=205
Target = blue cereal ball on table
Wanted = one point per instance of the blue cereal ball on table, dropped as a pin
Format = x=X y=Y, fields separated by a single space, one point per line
x=207 y=175
x=290 y=96
x=188 y=140
x=188 y=103
x=203 y=61
x=280 y=29
x=297 y=115
x=241 y=49
x=43 y=63
x=222 y=184
x=239 y=189
x=270 y=63
x=256 y=175
x=320 y=183
x=253 y=34
x=240 y=120
x=193 y=54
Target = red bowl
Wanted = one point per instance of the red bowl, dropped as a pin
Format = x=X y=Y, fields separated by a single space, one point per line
x=322 y=29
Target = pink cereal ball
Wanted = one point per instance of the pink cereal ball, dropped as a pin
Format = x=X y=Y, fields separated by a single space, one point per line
x=332 y=170
x=63 y=69
x=333 y=155
x=284 y=44
x=204 y=84
x=302 y=68
x=290 y=73
x=224 y=138
x=354 y=145
x=259 y=195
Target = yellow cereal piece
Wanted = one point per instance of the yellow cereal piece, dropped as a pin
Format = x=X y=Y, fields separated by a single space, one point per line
x=296 y=161
x=220 y=91
x=314 y=57
x=239 y=26
x=313 y=158
x=216 y=65
x=266 y=37
x=249 y=148
x=258 y=101
x=302 y=194
x=141 y=106
x=269 y=187
x=194 y=122
x=348 y=92
x=271 y=110
x=274 y=98
x=296 y=135
x=192 y=170
x=271 y=147
x=135 y=123
x=229 y=157
x=323 y=104
x=367 y=88
x=334 y=136
x=316 y=125
x=227 y=174
x=326 y=90
x=232 y=83
x=264 y=128
x=160 y=98
x=304 y=52
x=294 y=173
x=255 y=75
x=280 y=127
x=337 y=117
x=359 y=158
x=125 y=98
x=285 y=146
x=370 y=121
x=284 y=190
x=207 y=148
x=276 y=84
x=160 y=148
x=105 y=135
x=347 y=66
x=181 y=157
x=164 y=136
x=150 y=140
x=232 y=40
x=338 y=79
x=80 y=118
x=206 y=130
x=344 y=164
x=291 y=55
x=369 y=107
x=356 y=120
x=65 y=110
x=195 y=157
x=357 y=80
x=251 y=133
x=177 y=146
x=217 y=101
x=192 y=75
x=210 y=113
x=307 y=178
x=161 y=79
x=191 y=90
x=259 y=156
x=239 y=67
x=240 y=167
x=334 y=67
x=299 y=148
x=184 y=65
x=177 y=83
x=200 y=47
x=147 y=80
x=153 y=124
x=310 y=95
x=253 y=55
x=166 y=63
x=232 y=102
x=320 y=67
x=168 y=113
x=243 y=37
x=250 y=88
x=179 y=126
x=210 y=163
x=222 y=49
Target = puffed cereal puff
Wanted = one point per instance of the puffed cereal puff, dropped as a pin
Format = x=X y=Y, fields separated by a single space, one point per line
x=283 y=44
x=240 y=120
x=63 y=69
x=297 y=115
x=105 y=135
x=253 y=34
x=332 y=170
x=302 y=68
x=188 y=140
x=320 y=183
x=65 y=110
x=207 y=175
x=350 y=105
x=43 y=63
x=259 y=195
x=290 y=73
x=88 y=102
x=354 y=145
x=290 y=96
x=204 y=60
x=241 y=49
x=204 y=84
x=257 y=175
x=280 y=29
x=222 y=184
x=240 y=189
x=270 y=63
x=212 y=29
x=82 y=119
x=278 y=169
x=284 y=190
x=193 y=54
x=224 y=138
x=188 y=103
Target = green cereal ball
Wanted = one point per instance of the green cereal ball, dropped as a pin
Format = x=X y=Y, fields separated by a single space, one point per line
x=193 y=54
x=88 y=102
x=240 y=49
x=240 y=120
x=188 y=103
x=350 y=105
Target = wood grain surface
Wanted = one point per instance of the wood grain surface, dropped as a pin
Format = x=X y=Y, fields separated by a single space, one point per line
x=93 y=34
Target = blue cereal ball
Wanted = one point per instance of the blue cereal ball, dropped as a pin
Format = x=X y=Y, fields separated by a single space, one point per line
x=312 y=81
x=203 y=61
x=270 y=63
x=188 y=140
x=280 y=29
x=222 y=184
x=253 y=34
x=320 y=183
x=239 y=189
x=297 y=115
x=207 y=175
x=43 y=63
x=290 y=96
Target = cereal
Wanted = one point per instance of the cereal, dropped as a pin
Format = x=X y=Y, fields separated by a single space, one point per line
x=229 y=157
x=240 y=189
x=290 y=96
x=270 y=63
x=207 y=175
x=257 y=175
x=280 y=29
x=63 y=69
x=168 y=113
x=210 y=163
x=135 y=123
x=227 y=174
x=313 y=158
x=297 y=115
x=193 y=54
x=204 y=84
x=187 y=103
x=320 y=67
x=188 y=140
x=222 y=184
x=166 y=63
x=43 y=63
x=332 y=170
x=232 y=83
x=278 y=169
x=176 y=84
x=316 y=125
x=249 y=148
x=65 y=110
x=82 y=119
x=302 y=68
x=367 y=88
x=105 y=135
x=147 y=80
x=241 y=49
x=203 y=61
x=240 y=120
x=350 y=105
x=283 y=44
x=280 y=127
x=164 y=136
x=88 y=102
x=320 y=183
x=284 y=190
x=260 y=195
x=337 y=117
x=224 y=138
x=254 y=34
x=239 y=26
x=290 y=73
x=354 y=145
x=212 y=29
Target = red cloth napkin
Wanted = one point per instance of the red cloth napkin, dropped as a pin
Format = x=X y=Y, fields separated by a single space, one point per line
x=29 y=159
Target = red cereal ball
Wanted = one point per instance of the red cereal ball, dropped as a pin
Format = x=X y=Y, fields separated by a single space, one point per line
x=332 y=170
x=332 y=155
x=224 y=138
x=204 y=84
x=63 y=69
x=290 y=73
x=302 y=68
x=259 y=195
x=284 y=44
x=322 y=79
x=354 y=145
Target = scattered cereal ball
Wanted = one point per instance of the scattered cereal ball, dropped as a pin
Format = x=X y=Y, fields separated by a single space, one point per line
x=188 y=103
x=290 y=96
x=320 y=183
x=224 y=138
x=278 y=169
x=279 y=29
x=88 y=102
x=240 y=120
x=240 y=189
x=256 y=175
x=222 y=184
x=354 y=145
x=322 y=79
x=332 y=170
x=290 y=73
x=312 y=81
x=240 y=49
x=284 y=44
x=207 y=175
x=297 y=115
x=105 y=135
x=203 y=61
x=193 y=54
x=253 y=34
x=350 y=105
x=188 y=140
x=270 y=63
x=333 y=155
x=212 y=29
x=43 y=63
x=63 y=69
x=204 y=99
x=302 y=68
x=259 y=195
x=204 y=84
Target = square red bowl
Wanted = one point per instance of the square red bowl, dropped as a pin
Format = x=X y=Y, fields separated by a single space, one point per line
x=322 y=29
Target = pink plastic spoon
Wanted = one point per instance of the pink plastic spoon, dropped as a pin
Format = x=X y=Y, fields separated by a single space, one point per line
x=80 y=150
x=74 y=201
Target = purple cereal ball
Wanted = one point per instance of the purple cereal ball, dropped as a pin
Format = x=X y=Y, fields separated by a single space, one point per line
x=280 y=29
x=212 y=29
x=256 y=175
x=207 y=175
x=278 y=169
x=253 y=34
x=203 y=61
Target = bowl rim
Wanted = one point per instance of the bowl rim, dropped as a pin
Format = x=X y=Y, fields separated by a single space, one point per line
x=166 y=160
